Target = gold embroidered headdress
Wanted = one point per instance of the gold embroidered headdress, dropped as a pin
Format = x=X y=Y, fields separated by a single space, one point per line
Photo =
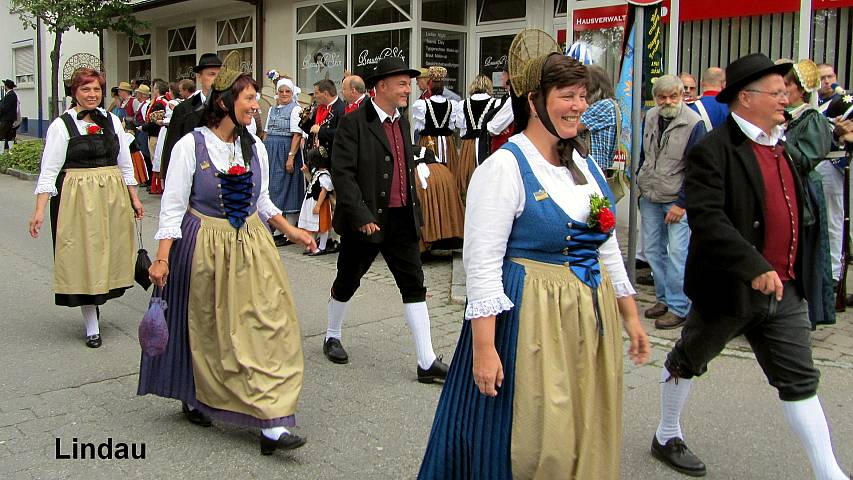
x=229 y=72
x=528 y=52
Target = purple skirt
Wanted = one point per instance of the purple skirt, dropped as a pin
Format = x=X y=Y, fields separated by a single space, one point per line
x=170 y=374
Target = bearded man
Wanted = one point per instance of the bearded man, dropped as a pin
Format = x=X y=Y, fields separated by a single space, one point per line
x=670 y=129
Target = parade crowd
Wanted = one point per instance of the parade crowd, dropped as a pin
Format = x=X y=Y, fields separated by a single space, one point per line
x=741 y=196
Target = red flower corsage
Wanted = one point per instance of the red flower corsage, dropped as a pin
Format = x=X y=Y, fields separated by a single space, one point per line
x=237 y=170
x=94 y=130
x=600 y=214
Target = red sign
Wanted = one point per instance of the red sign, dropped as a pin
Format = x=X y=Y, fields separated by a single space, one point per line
x=709 y=9
x=600 y=18
x=644 y=2
x=824 y=4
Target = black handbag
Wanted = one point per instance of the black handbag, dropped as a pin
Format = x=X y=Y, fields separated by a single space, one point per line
x=143 y=261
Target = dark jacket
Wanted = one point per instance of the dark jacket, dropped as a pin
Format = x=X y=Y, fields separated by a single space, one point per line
x=362 y=168
x=725 y=204
x=185 y=118
x=327 y=131
x=9 y=107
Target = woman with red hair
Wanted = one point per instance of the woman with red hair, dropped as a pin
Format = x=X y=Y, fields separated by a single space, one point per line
x=87 y=174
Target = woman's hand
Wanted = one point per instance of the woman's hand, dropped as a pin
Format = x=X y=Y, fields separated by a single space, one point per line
x=288 y=166
x=298 y=235
x=36 y=222
x=158 y=271
x=138 y=209
x=639 y=350
x=487 y=369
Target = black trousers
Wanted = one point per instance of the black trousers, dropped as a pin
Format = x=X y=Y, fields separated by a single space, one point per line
x=400 y=249
x=777 y=331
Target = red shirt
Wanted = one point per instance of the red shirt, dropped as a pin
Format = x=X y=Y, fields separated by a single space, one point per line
x=322 y=113
x=399 y=183
x=781 y=214
x=354 y=106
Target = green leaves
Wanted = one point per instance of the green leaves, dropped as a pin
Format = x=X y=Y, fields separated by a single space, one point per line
x=24 y=155
x=86 y=16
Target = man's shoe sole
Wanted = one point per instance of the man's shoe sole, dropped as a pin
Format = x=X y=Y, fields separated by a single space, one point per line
x=431 y=379
x=670 y=327
x=339 y=361
x=665 y=461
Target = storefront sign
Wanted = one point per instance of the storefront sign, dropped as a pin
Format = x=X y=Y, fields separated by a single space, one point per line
x=365 y=58
x=599 y=18
x=369 y=48
x=442 y=48
x=493 y=61
x=321 y=59
x=824 y=4
x=710 y=9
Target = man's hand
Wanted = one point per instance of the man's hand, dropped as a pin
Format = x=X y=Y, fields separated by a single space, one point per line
x=315 y=129
x=768 y=283
x=673 y=215
x=844 y=130
x=369 y=229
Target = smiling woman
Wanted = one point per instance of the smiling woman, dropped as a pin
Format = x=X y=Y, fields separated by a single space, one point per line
x=87 y=175
x=234 y=351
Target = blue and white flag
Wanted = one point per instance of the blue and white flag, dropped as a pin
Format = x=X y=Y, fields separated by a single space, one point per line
x=580 y=52
x=624 y=97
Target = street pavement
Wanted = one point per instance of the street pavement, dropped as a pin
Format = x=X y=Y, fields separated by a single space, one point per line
x=369 y=419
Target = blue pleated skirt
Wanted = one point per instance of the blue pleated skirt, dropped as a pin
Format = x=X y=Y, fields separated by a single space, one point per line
x=287 y=190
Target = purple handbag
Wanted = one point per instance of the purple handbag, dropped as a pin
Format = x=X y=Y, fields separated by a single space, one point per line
x=153 y=331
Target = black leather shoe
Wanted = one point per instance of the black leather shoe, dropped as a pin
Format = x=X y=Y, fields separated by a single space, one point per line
x=286 y=441
x=195 y=416
x=334 y=351
x=333 y=246
x=678 y=457
x=646 y=279
x=436 y=371
x=94 y=341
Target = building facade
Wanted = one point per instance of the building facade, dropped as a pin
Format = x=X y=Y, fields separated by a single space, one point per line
x=27 y=63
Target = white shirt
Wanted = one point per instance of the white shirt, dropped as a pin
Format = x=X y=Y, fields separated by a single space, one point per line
x=295 y=117
x=499 y=189
x=179 y=179
x=384 y=116
x=56 y=146
x=419 y=112
x=462 y=120
x=502 y=119
x=757 y=135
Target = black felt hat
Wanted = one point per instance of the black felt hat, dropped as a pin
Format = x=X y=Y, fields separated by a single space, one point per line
x=746 y=70
x=208 y=60
x=9 y=84
x=389 y=66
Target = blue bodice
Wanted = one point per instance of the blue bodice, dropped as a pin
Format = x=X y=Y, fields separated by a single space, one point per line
x=545 y=233
x=279 y=122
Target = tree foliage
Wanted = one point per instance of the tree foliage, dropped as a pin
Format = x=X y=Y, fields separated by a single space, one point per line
x=86 y=16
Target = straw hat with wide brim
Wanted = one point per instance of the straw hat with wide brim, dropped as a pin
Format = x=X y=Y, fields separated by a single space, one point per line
x=528 y=52
x=125 y=86
x=144 y=89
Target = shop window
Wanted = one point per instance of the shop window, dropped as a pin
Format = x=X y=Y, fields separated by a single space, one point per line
x=445 y=49
x=496 y=10
x=452 y=12
x=377 y=12
x=139 y=49
x=234 y=30
x=181 y=67
x=321 y=18
x=320 y=58
x=493 y=61
x=139 y=57
x=369 y=48
x=139 y=69
x=24 y=65
x=243 y=54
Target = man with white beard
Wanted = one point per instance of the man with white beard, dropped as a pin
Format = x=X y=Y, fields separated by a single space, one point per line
x=669 y=131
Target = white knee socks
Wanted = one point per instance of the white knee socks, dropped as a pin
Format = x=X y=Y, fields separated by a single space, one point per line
x=808 y=422
x=90 y=316
x=417 y=317
x=337 y=312
x=321 y=243
x=274 y=433
x=673 y=396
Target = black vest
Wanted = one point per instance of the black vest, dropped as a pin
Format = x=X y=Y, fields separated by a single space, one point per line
x=475 y=111
x=442 y=129
x=91 y=151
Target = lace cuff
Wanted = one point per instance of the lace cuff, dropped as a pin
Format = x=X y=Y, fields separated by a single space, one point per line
x=624 y=289
x=169 y=232
x=51 y=189
x=130 y=181
x=268 y=213
x=488 y=307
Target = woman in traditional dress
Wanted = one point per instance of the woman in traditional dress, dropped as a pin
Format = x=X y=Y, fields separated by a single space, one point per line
x=535 y=387
x=441 y=202
x=808 y=140
x=471 y=121
x=283 y=142
x=234 y=351
x=87 y=174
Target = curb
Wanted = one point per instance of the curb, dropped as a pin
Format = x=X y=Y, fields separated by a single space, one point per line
x=31 y=177
x=458 y=294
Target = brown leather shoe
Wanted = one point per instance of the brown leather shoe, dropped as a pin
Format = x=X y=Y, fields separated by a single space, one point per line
x=668 y=321
x=656 y=311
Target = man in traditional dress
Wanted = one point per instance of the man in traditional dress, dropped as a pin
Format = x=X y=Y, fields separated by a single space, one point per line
x=187 y=116
x=745 y=266
x=378 y=211
x=354 y=92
